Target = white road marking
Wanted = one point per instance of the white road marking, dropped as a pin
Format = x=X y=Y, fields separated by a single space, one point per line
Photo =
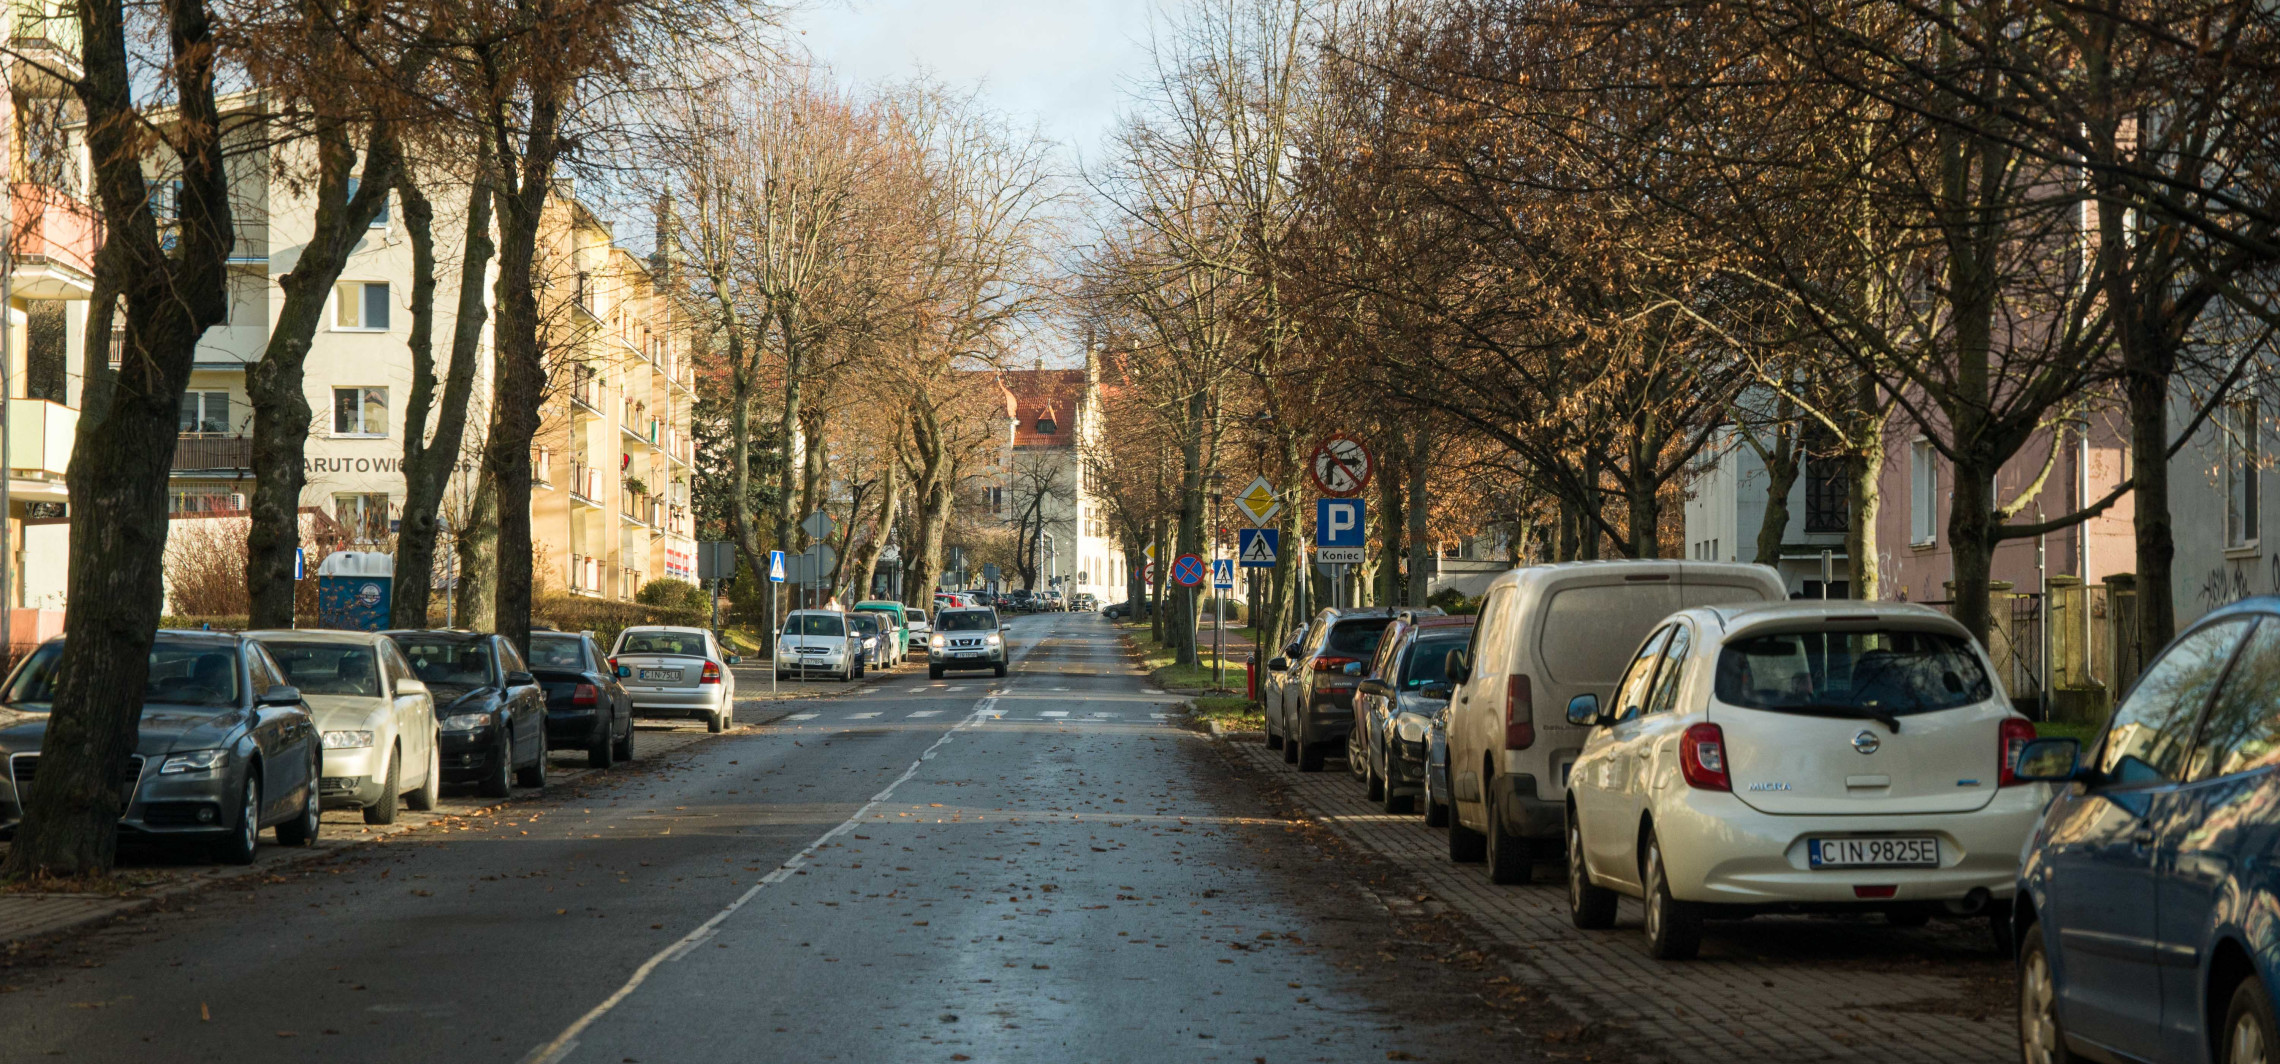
x=1099 y=716
x=955 y=687
x=927 y=713
x=1054 y=713
x=553 y=1051
x=861 y=716
x=1159 y=716
x=803 y=716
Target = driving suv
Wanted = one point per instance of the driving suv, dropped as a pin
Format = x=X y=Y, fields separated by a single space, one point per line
x=969 y=638
x=1313 y=681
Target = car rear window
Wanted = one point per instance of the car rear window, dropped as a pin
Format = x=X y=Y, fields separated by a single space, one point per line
x=1429 y=659
x=1588 y=633
x=1356 y=639
x=464 y=662
x=327 y=668
x=863 y=624
x=673 y=644
x=557 y=651
x=1894 y=672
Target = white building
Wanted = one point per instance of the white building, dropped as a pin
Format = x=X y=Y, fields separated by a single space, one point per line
x=1730 y=492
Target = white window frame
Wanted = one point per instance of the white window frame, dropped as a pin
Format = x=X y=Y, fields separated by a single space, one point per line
x=363 y=304
x=2242 y=477
x=385 y=406
x=1923 y=493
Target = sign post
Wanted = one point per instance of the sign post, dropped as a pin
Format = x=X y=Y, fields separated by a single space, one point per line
x=1339 y=526
x=775 y=638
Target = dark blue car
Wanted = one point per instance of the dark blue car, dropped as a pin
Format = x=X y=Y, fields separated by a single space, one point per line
x=2149 y=902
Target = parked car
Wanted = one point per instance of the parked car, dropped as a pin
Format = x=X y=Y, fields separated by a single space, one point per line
x=872 y=637
x=896 y=618
x=678 y=672
x=1085 y=601
x=920 y=629
x=376 y=719
x=966 y=639
x=224 y=749
x=491 y=713
x=1019 y=600
x=1395 y=703
x=1822 y=756
x=1436 y=798
x=1315 y=677
x=1128 y=610
x=817 y=641
x=1546 y=634
x=2144 y=913
x=587 y=705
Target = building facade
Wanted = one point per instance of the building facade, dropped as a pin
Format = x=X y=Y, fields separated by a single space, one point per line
x=1731 y=492
x=1040 y=489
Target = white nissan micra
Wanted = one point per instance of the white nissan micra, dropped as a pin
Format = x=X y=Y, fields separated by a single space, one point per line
x=1798 y=757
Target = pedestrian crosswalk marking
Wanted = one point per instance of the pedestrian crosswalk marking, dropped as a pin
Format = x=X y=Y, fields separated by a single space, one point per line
x=927 y=713
x=861 y=716
x=803 y=716
x=1054 y=713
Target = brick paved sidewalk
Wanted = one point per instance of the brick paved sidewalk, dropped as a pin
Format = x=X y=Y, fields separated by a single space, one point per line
x=1781 y=988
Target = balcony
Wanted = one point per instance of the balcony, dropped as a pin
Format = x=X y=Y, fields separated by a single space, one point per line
x=56 y=238
x=210 y=454
x=39 y=448
x=585 y=485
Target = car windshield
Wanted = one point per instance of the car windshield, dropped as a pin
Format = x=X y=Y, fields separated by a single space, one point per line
x=1880 y=672
x=182 y=673
x=1429 y=660
x=863 y=625
x=966 y=621
x=1356 y=639
x=327 y=668
x=675 y=644
x=813 y=624
x=459 y=662
x=557 y=651
x=886 y=618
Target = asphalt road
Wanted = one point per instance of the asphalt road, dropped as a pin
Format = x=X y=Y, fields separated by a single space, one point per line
x=1041 y=868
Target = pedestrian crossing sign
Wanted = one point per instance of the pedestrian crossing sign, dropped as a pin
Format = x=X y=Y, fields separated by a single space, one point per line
x=775 y=567
x=1223 y=574
x=1257 y=547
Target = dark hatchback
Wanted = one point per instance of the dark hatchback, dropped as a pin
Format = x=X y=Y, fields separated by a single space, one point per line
x=489 y=709
x=1405 y=689
x=1317 y=676
x=2148 y=908
x=586 y=707
x=225 y=746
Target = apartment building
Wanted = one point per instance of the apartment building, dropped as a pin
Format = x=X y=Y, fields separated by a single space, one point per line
x=1052 y=418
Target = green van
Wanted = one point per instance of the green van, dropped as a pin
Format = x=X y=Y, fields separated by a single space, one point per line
x=898 y=626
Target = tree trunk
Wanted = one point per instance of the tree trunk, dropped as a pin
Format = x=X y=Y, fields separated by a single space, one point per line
x=124 y=449
x=429 y=464
x=1782 y=463
x=867 y=559
x=478 y=548
x=1971 y=543
x=1393 y=522
x=275 y=385
x=812 y=467
x=1420 y=513
x=794 y=423
x=1864 y=492
x=2145 y=383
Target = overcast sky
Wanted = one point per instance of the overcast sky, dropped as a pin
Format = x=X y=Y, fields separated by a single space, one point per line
x=1060 y=61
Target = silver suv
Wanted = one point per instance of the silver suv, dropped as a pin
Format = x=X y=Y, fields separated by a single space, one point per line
x=966 y=638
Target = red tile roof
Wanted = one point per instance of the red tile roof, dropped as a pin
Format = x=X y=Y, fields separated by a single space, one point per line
x=1038 y=395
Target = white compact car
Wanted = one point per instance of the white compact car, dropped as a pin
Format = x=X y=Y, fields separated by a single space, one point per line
x=1798 y=757
x=817 y=642
x=674 y=671
x=377 y=718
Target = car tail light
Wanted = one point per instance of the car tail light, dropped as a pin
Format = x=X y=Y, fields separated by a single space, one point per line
x=1884 y=890
x=613 y=664
x=586 y=695
x=2016 y=733
x=1702 y=758
x=1328 y=669
x=712 y=673
x=1519 y=713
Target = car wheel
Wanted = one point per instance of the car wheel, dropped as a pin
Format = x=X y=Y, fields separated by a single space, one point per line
x=1436 y=810
x=2251 y=1036
x=716 y=723
x=1590 y=907
x=499 y=783
x=1274 y=738
x=1358 y=762
x=1290 y=749
x=239 y=848
x=384 y=810
x=302 y=829
x=1387 y=800
x=2041 y=1039
x=624 y=749
x=423 y=800
x=1311 y=757
x=1466 y=846
x=603 y=753
x=1674 y=927
x=535 y=775
x=1511 y=859
x=934 y=672
x=999 y=670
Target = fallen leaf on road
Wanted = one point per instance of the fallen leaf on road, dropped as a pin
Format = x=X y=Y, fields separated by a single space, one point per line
x=203 y=1014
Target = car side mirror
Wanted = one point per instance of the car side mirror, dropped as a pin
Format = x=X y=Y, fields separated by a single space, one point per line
x=1458 y=665
x=1277 y=664
x=2054 y=760
x=1375 y=686
x=1439 y=692
x=624 y=671
x=1005 y=628
x=279 y=695
x=520 y=679
x=1290 y=651
x=1583 y=710
x=410 y=686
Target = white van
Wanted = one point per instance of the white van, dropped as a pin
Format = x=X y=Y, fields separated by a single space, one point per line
x=1548 y=633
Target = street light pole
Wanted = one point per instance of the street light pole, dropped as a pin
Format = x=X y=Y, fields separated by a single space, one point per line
x=1217 y=483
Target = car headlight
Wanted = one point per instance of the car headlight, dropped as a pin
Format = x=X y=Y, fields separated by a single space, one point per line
x=934 y=641
x=1411 y=728
x=347 y=740
x=194 y=761
x=466 y=722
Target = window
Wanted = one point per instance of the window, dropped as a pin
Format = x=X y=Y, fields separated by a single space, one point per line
x=329 y=668
x=1896 y=672
x=2243 y=732
x=380 y=220
x=2241 y=454
x=205 y=412
x=360 y=412
x=1923 y=494
x=365 y=515
x=1631 y=692
x=2148 y=737
x=360 y=306
x=1825 y=493
x=1666 y=682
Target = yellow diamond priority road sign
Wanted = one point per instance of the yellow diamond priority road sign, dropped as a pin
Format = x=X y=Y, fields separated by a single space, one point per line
x=1258 y=502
